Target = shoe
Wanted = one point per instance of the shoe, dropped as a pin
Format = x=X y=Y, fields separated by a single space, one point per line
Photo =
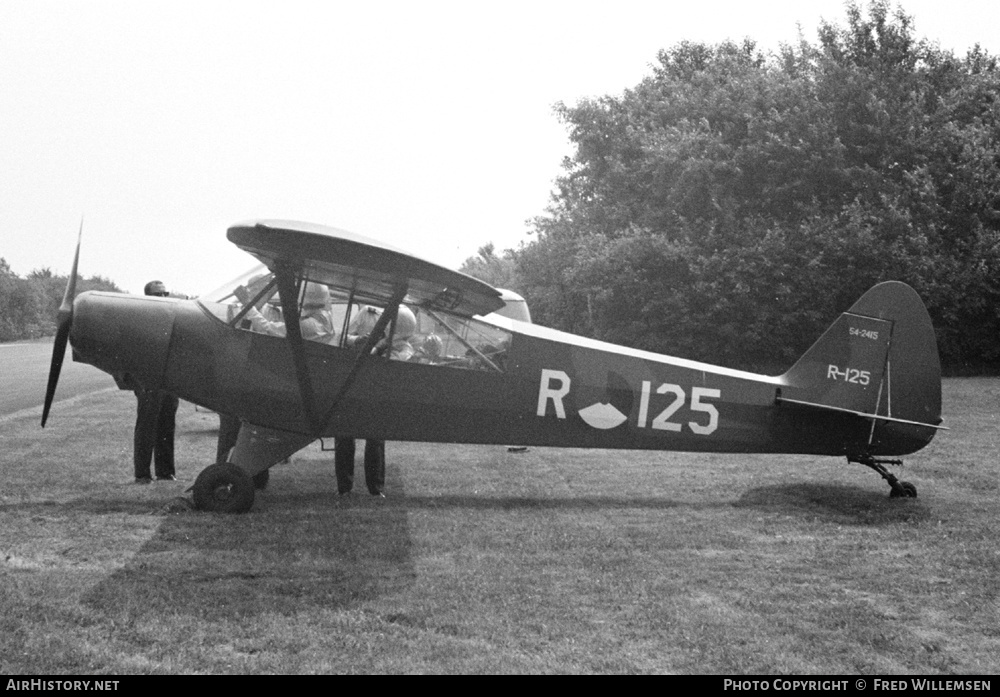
x=167 y=478
x=379 y=494
x=143 y=480
x=344 y=493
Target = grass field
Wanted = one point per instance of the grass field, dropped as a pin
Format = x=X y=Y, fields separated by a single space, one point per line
x=482 y=560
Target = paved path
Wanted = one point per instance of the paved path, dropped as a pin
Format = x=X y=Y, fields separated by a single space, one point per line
x=24 y=372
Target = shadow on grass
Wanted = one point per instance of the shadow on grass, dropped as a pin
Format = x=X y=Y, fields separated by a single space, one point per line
x=97 y=505
x=285 y=557
x=571 y=503
x=849 y=505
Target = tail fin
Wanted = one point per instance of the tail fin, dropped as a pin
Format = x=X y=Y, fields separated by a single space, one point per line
x=879 y=358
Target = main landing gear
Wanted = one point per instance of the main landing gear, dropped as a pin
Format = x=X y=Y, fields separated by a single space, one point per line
x=223 y=488
x=900 y=490
x=226 y=488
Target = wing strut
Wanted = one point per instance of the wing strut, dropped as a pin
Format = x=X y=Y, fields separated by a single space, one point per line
x=388 y=315
x=288 y=290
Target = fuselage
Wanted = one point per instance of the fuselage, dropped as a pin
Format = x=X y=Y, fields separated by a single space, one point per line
x=552 y=388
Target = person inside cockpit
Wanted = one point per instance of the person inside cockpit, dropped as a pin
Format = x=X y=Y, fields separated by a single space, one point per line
x=405 y=326
x=315 y=319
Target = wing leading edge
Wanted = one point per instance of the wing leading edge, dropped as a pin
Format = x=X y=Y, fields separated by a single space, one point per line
x=369 y=269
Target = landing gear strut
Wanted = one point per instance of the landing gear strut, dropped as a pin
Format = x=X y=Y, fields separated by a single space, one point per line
x=904 y=490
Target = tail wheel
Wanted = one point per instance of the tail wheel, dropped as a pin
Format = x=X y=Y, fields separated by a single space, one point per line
x=898 y=490
x=223 y=488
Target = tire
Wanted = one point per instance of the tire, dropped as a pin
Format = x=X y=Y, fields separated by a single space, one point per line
x=261 y=479
x=909 y=491
x=223 y=488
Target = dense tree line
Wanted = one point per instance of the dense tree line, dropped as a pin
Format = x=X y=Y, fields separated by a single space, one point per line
x=28 y=306
x=732 y=203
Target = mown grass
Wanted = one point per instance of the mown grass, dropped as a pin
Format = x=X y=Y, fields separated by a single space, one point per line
x=483 y=560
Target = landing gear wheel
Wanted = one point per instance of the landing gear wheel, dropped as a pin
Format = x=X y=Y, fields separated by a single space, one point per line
x=905 y=490
x=261 y=479
x=223 y=488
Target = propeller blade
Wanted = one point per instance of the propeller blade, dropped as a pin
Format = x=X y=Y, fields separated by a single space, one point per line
x=58 y=353
x=64 y=325
x=66 y=307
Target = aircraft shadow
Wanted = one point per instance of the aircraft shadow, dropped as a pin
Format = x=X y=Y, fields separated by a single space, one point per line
x=303 y=548
x=281 y=559
x=569 y=503
x=851 y=505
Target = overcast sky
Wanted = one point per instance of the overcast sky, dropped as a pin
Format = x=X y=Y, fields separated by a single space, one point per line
x=428 y=125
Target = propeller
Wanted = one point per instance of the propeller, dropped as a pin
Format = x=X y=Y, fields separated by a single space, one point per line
x=64 y=323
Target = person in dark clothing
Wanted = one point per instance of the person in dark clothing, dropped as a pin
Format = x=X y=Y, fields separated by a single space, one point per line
x=154 y=435
x=343 y=460
x=153 y=441
x=229 y=431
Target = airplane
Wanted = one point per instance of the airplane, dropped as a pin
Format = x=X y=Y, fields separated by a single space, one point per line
x=869 y=389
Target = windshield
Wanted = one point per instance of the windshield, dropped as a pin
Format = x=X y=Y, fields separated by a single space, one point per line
x=224 y=292
x=258 y=286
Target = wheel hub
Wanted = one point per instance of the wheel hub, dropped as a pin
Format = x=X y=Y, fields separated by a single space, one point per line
x=223 y=493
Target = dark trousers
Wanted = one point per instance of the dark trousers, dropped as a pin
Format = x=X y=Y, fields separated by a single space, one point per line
x=154 y=433
x=229 y=430
x=343 y=460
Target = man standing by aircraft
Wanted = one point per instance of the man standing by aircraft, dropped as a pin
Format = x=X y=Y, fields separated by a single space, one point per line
x=154 y=422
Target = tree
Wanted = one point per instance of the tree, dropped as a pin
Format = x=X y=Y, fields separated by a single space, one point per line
x=732 y=202
x=21 y=307
x=498 y=271
x=29 y=306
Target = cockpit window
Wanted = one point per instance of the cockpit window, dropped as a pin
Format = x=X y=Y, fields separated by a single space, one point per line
x=460 y=342
x=222 y=302
x=336 y=318
x=252 y=302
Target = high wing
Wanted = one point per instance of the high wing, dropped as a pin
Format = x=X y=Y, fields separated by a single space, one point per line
x=367 y=269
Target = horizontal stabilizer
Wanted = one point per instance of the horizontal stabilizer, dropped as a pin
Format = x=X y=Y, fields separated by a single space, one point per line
x=873 y=417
